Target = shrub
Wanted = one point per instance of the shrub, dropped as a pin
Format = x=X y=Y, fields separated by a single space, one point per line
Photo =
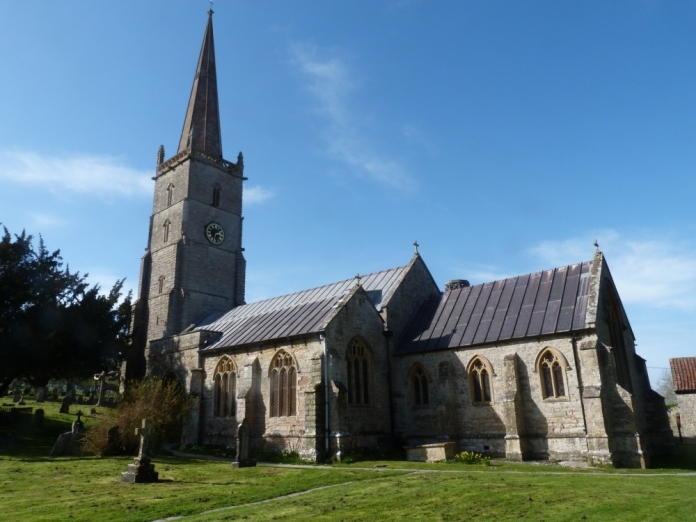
x=470 y=457
x=161 y=402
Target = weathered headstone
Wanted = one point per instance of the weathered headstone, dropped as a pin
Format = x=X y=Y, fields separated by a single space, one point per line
x=17 y=396
x=79 y=399
x=41 y=394
x=54 y=394
x=71 y=394
x=21 y=399
x=38 y=419
x=113 y=441
x=68 y=443
x=141 y=470
x=65 y=405
x=243 y=458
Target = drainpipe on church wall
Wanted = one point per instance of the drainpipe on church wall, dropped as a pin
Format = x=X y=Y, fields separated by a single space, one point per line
x=327 y=383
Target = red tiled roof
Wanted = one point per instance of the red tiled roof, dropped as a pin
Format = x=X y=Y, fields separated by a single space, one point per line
x=684 y=374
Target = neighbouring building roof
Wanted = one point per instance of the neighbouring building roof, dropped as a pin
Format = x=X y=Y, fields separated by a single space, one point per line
x=542 y=303
x=684 y=374
x=294 y=314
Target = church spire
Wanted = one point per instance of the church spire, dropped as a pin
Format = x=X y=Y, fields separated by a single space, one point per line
x=202 y=124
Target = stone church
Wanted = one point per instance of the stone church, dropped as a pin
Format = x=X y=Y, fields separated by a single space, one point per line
x=539 y=366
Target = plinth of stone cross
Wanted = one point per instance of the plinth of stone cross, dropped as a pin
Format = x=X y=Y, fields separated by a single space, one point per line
x=141 y=470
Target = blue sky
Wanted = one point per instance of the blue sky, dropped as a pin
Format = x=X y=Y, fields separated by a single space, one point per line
x=503 y=136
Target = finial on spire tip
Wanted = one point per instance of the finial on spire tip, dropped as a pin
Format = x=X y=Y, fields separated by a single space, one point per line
x=596 y=245
x=210 y=11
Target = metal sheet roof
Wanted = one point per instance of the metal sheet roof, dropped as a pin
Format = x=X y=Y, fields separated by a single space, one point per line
x=542 y=303
x=294 y=314
x=684 y=374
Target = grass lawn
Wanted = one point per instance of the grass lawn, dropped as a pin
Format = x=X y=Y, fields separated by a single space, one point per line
x=36 y=487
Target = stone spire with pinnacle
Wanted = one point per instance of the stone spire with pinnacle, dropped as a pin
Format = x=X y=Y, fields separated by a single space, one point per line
x=202 y=124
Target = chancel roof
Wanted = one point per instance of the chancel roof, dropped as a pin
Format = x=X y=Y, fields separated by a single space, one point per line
x=295 y=314
x=684 y=374
x=542 y=303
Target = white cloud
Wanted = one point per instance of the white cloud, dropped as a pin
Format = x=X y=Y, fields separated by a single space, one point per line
x=106 y=281
x=257 y=194
x=80 y=173
x=331 y=82
x=657 y=273
x=47 y=220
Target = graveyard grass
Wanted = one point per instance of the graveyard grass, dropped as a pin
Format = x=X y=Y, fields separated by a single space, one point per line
x=36 y=487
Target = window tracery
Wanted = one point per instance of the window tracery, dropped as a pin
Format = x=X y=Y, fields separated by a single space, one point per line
x=225 y=378
x=359 y=371
x=170 y=193
x=283 y=377
x=480 y=381
x=418 y=384
x=552 y=376
x=166 y=225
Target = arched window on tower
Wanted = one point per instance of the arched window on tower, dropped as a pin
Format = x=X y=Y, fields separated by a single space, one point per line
x=225 y=378
x=418 y=386
x=480 y=381
x=160 y=284
x=166 y=230
x=552 y=374
x=283 y=381
x=170 y=194
x=359 y=372
x=217 y=191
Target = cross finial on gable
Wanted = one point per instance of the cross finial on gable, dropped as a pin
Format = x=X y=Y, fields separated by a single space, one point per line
x=415 y=244
x=596 y=245
x=358 y=277
x=210 y=11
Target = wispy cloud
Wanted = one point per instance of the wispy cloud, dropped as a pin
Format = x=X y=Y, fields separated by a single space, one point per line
x=257 y=194
x=79 y=173
x=48 y=220
x=332 y=83
x=650 y=272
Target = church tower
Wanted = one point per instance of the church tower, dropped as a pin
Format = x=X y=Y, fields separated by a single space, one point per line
x=194 y=264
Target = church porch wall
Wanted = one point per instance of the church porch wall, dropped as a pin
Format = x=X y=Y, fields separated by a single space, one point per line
x=364 y=423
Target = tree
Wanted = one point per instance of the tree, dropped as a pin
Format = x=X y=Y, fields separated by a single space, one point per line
x=52 y=323
x=665 y=387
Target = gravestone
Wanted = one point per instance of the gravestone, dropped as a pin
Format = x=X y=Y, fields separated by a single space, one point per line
x=65 y=405
x=71 y=394
x=142 y=470
x=68 y=443
x=54 y=394
x=243 y=458
x=38 y=419
x=21 y=399
x=79 y=399
x=113 y=441
x=17 y=396
x=41 y=394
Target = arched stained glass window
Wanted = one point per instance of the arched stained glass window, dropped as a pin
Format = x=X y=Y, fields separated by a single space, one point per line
x=359 y=372
x=480 y=381
x=552 y=376
x=418 y=381
x=225 y=378
x=283 y=383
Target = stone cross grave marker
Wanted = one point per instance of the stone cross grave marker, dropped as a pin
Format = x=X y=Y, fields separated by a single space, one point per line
x=141 y=470
x=144 y=433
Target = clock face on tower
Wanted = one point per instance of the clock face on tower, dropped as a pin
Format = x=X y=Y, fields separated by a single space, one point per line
x=214 y=233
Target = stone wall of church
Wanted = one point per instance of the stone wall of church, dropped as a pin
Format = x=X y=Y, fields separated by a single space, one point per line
x=354 y=426
x=253 y=364
x=550 y=427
